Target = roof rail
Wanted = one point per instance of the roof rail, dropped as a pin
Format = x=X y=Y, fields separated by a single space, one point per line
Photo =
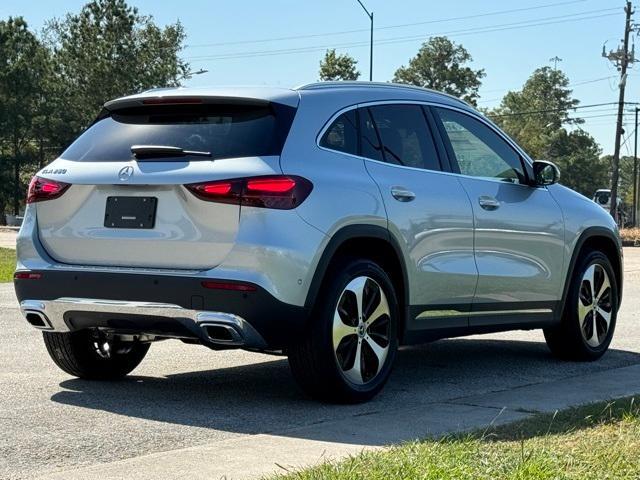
x=363 y=84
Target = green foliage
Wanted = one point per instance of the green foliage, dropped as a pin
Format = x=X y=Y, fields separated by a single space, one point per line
x=536 y=117
x=547 y=98
x=52 y=88
x=578 y=156
x=24 y=67
x=109 y=50
x=625 y=185
x=7 y=264
x=338 y=67
x=442 y=65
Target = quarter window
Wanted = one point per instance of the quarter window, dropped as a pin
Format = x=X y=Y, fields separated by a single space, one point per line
x=478 y=150
x=342 y=135
x=405 y=136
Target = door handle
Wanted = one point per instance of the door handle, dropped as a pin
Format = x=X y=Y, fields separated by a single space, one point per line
x=402 y=194
x=488 y=203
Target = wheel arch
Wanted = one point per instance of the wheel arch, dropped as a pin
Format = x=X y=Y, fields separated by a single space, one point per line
x=365 y=241
x=601 y=239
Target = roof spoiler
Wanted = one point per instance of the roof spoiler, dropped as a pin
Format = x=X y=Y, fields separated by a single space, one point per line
x=141 y=101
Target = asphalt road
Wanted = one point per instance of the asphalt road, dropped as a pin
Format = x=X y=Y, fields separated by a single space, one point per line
x=235 y=413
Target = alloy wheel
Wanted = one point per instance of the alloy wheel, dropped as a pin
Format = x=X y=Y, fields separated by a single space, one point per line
x=594 y=305
x=361 y=330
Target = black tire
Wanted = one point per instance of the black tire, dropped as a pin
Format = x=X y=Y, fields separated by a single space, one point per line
x=567 y=340
x=314 y=363
x=76 y=354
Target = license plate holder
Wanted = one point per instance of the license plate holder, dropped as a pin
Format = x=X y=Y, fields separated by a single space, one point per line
x=130 y=212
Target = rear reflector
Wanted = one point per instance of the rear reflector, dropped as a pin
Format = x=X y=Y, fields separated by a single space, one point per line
x=238 y=287
x=41 y=189
x=27 y=276
x=282 y=192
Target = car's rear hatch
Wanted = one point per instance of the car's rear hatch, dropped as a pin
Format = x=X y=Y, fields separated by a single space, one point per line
x=124 y=211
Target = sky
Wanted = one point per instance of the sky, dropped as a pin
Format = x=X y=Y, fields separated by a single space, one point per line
x=249 y=42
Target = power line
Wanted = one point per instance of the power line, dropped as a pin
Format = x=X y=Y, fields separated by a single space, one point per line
x=393 y=40
x=571 y=85
x=468 y=31
x=591 y=81
x=621 y=58
x=599 y=116
x=388 y=27
x=556 y=110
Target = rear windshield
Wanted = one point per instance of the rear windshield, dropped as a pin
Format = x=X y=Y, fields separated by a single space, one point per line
x=227 y=131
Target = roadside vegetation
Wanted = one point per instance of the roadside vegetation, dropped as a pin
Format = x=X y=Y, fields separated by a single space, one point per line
x=630 y=236
x=7 y=264
x=593 y=442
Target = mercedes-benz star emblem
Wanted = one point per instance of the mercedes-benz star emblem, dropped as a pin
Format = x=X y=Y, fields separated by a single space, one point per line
x=125 y=173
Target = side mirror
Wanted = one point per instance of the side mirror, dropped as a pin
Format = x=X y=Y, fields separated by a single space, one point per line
x=545 y=173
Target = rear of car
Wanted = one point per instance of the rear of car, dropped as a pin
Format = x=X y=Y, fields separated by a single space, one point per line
x=308 y=222
x=152 y=223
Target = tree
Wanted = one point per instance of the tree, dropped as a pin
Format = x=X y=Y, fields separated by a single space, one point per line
x=24 y=65
x=106 y=51
x=338 y=67
x=536 y=117
x=536 y=113
x=442 y=65
x=577 y=154
x=625 y=184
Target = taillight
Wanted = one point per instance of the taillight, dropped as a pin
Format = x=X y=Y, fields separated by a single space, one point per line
x=282 y=192
x=41 y=189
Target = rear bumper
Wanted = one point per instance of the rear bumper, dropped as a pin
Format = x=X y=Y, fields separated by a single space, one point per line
x=160 y=305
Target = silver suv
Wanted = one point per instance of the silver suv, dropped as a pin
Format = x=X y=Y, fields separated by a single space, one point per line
x=330 y=223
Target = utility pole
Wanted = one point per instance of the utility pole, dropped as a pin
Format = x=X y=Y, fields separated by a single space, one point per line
x=635 y=172
x=621 y=58
x=370 y=15
x=555 y=61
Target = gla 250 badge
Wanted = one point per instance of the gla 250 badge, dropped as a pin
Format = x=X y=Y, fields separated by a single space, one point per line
x=54 y=171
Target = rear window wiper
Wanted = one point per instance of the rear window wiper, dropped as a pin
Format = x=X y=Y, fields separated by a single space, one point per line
x=142 y=152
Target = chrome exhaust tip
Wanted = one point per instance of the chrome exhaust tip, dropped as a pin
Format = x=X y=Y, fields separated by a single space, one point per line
x=230 y=330
x=222 y=334
x=37 y=319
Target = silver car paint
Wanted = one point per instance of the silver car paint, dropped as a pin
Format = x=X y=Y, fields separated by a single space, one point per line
x=519 y=245
x=579 y=214
x=280 y=250
x=437 y=242
x=198 y=234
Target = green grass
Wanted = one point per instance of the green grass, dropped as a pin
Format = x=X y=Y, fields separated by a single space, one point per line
x=7 y=264
x=600 y=441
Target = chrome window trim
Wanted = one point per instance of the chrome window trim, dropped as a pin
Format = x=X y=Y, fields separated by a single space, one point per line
x=460 y=313
x=471 y=113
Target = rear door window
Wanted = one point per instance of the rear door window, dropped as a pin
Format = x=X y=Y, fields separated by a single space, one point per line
x=227 y=131
x=405 y=135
